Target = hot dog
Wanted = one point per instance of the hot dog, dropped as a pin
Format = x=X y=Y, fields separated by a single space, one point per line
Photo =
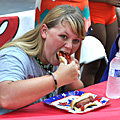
x=65 y=58
x=83 y=102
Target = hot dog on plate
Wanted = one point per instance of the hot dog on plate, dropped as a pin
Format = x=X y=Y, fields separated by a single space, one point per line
x=83 y=102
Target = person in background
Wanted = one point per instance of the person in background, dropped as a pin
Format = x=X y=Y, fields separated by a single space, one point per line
x=42 y=7
x=115 y=48
x=118 y=17
x=104 y=27
x=29 y=67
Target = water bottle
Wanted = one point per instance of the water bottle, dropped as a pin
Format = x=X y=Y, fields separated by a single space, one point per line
x=113 y=83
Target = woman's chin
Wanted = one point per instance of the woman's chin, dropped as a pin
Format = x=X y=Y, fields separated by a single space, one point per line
x=56 y=63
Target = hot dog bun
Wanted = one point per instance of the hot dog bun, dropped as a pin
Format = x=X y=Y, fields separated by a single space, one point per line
x=65 y=58
x=62 y=60
x=85 y=102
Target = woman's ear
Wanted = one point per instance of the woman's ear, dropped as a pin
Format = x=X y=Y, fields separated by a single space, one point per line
x=44 y=29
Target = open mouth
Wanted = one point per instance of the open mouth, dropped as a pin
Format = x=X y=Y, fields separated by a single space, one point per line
x=61 y=53
x=65 y=55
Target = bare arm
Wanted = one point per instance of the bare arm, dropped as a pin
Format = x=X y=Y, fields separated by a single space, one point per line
x=74 y=86
x=112 y=2
x=20 y=93
x=98 y=0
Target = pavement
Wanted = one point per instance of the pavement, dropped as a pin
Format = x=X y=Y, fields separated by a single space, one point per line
x=13 y=6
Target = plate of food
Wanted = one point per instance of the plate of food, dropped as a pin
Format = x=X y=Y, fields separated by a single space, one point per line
x=77 y=101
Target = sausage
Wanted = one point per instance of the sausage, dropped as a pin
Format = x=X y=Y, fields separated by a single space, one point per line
x=83 y=102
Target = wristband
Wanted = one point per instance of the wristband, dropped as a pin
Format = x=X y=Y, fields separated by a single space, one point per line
x=54 y=80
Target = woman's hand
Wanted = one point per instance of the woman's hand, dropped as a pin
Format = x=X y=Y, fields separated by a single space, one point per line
x=68 y=74
x=77 y=64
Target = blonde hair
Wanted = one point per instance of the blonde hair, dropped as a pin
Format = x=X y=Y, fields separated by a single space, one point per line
x=32 y=42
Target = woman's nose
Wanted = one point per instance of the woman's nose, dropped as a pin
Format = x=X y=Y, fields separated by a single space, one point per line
x=68 y=44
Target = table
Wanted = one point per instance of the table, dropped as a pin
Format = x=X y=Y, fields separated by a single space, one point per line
x=41 y=111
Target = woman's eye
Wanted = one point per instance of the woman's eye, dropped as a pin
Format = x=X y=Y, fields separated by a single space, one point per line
x=63 y=36
x=76 y=41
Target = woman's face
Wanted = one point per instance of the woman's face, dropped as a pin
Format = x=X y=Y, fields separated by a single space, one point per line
x=58 y=38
